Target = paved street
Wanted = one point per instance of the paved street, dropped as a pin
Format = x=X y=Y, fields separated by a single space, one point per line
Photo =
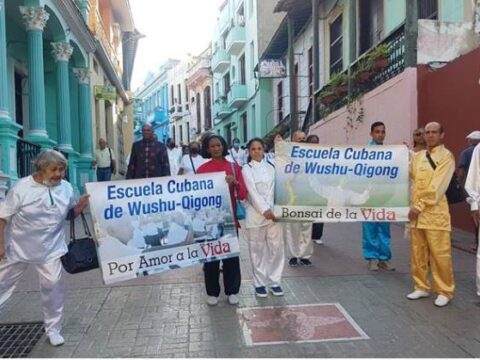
x=166 y=316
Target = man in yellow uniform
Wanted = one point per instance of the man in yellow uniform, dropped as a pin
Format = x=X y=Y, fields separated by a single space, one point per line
x=430 y=172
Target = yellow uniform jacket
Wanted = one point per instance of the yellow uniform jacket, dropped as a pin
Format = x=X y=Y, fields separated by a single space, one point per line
x=429 y=186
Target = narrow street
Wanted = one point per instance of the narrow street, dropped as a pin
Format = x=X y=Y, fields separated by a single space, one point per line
x=166 y=315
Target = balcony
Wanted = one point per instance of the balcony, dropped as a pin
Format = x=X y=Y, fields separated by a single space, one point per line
x=396 y=64
x=220 y=109
x=220 y=61
x=235 y=42
x=237 y=96
x=176 y=112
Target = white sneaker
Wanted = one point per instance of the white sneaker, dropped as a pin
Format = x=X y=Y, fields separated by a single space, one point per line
x=55 y=339
x=418 y=294
x=441 y=301
x=233 y=299
x=212 y=300
x=318 y=242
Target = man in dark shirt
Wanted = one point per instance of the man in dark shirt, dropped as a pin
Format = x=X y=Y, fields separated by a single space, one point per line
x=148 y=158
x=466 y=155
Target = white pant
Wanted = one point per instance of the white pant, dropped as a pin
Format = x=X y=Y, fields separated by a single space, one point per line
x=298 y=237
x=51 y=288
x=478 y=268
x=267 y=254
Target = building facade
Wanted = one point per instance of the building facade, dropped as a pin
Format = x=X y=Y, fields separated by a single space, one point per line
x=179 y=105
x=46 y=91
x=241 y=102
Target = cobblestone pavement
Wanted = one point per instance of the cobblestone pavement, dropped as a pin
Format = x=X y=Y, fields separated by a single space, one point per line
x=166 y=316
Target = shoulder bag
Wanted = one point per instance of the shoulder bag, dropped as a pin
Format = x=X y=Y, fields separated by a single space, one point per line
x=82 y=253
x=455 y=192
x=240 y=209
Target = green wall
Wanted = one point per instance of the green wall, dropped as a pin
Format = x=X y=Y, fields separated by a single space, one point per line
x=452 y=10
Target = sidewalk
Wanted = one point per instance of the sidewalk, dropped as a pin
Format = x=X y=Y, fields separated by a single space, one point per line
x=166 y=316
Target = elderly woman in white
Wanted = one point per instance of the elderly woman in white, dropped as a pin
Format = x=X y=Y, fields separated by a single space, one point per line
x=267 y=250
x=32 y=219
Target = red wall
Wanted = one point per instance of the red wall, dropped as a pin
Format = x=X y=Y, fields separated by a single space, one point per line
x=451 y=96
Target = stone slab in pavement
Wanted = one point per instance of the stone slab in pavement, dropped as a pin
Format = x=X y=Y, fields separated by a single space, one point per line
x=165 y=315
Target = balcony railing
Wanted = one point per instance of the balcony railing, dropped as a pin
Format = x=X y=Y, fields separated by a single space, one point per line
x=237 y=95
x=26 y=152
x=220 y=61
x=235 y=42
x=221 y=110
x=396 y=64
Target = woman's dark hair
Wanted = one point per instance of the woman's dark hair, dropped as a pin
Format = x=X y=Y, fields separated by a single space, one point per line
x=256 y=139
x=204 y=152
x=312 y=139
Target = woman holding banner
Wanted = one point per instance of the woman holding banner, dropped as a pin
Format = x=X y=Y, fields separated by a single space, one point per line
x=267 y=250
x=214 y=147
x=32 y=232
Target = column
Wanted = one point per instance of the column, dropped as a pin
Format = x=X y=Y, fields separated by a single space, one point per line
x=35 y=19
x=85 y=111
x=8 y=127
x=61 y=52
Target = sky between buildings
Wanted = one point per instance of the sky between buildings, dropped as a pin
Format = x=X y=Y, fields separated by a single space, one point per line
x=173 y=28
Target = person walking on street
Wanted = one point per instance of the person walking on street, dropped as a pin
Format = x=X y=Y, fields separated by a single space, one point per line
x=192 y=160
x=105 y=161
x=376 y=235
x=214 y=147
x=472 y=186
x=174 y=156
x=237 y=154
x=32 y=219
x=148 y=157
x=430 y=173
x=265 y=240
x=298 y=235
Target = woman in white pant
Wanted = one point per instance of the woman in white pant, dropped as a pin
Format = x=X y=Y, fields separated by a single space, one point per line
x=32 y=221
x=266 y=246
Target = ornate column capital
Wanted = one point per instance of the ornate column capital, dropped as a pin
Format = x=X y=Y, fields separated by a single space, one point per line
x=34 y=18
x=82 y=74
x=61 y=51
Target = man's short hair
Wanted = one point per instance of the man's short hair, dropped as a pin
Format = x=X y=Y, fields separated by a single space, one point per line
x=375 y=124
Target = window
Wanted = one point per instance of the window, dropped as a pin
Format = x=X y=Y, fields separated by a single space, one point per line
x=180 y=130
x=252 y=58
x=228 y=134
x=179 y=93
x=428 y=9
x=241 y=63
x=310 y=72
x=280 y=101
x=336 y=44
x=244 y=125
x=217 y=90
x=172 y=96
x=199 y=112
x=173 y=134
x=207 y=101
x=188 y=132
x=253 y=116
x=226 y=83
x=186 y=93
x=371 y=23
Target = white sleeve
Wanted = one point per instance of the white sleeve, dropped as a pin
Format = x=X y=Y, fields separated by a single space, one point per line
x=11 y=204
x=472 y=183
x=253 y=196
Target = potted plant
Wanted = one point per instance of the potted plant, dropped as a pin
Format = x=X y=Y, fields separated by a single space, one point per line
x=363 y=72
x=339 y=84
x=379 y=57
x=327 y=96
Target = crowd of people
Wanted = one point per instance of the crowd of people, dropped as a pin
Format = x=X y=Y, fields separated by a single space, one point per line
x=33 y=215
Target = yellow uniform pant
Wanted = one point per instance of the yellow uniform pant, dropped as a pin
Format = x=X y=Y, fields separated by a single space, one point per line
x=432 y=249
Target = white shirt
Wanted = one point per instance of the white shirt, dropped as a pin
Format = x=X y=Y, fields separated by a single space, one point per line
x=35 y=216
x=259 y=179
x=174 y=158
x=186 y=164
x=102 y=157
x=240 y=156
x=472 y=183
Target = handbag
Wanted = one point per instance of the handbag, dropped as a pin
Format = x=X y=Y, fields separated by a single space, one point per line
x=82 y=253
x=240 y=209
x=455 y=192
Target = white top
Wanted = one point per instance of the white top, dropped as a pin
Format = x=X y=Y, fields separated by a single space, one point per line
x=186 y=164
x=35 y=216
x=102 y=157
x=259 y=179
x=472 y=183
x=240 y=156
x=174 y=158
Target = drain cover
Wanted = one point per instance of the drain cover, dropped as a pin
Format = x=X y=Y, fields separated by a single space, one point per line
x=17 y=340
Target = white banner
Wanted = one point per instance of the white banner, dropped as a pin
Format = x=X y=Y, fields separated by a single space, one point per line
x=147 y=226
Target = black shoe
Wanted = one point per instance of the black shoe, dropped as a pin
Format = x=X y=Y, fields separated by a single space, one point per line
x=293 y=262
x=306 y=262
